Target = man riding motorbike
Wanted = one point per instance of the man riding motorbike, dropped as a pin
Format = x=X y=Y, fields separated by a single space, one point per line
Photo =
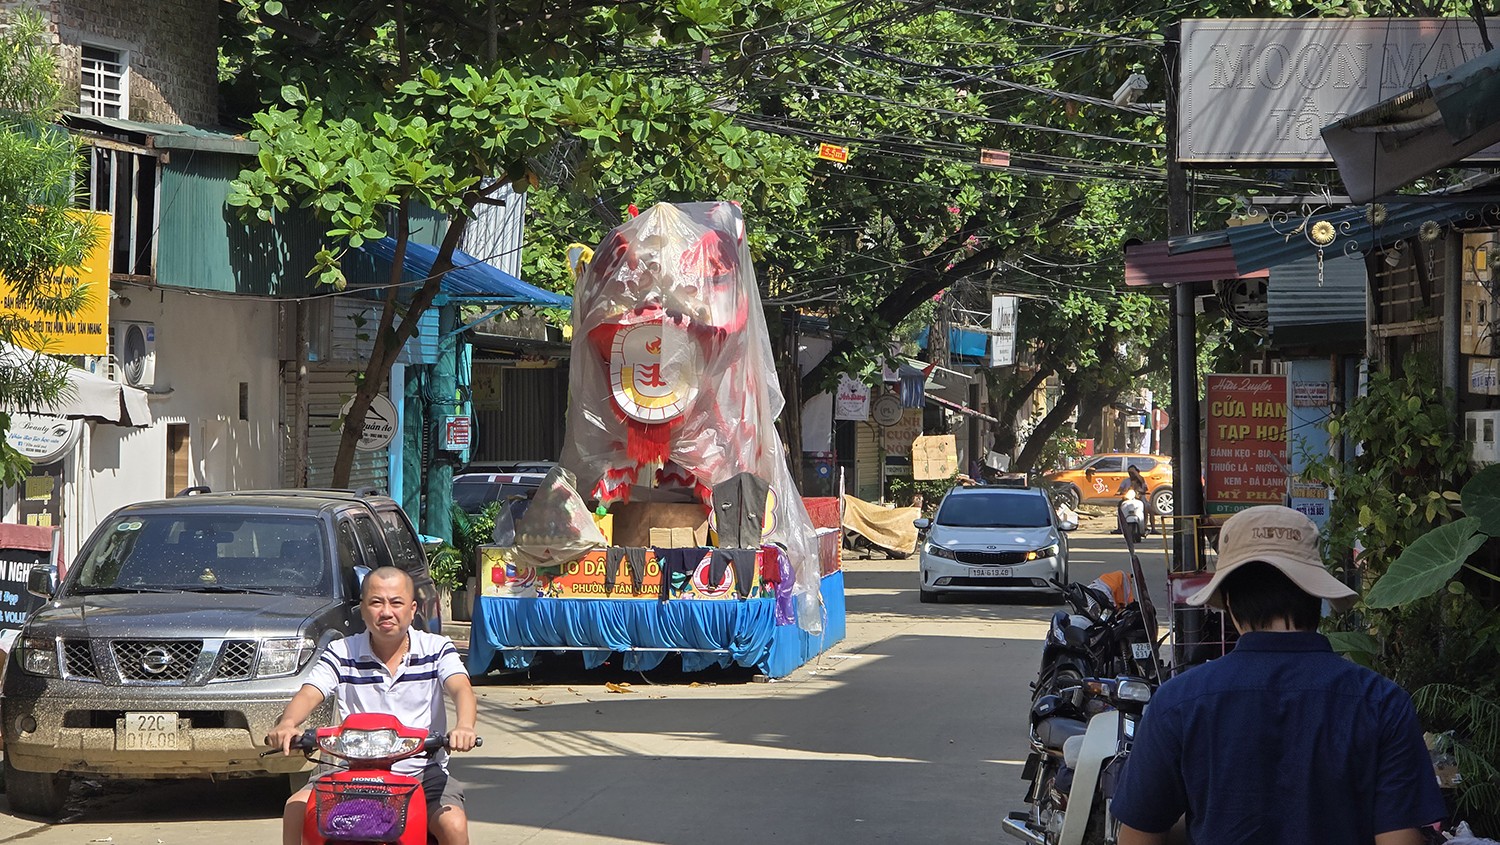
x=390 y=668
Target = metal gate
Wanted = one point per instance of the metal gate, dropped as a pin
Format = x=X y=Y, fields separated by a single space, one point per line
x=328 y=388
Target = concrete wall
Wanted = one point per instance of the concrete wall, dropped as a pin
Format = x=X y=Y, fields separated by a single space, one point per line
x=205 y=347
x=173 y=59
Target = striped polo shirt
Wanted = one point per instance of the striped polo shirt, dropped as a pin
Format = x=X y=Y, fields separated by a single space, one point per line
x=361 y=683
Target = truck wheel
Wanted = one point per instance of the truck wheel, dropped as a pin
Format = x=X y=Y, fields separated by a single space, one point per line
x=40 y=794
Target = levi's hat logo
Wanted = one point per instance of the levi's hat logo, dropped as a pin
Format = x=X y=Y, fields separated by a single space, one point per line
x=1293 y=534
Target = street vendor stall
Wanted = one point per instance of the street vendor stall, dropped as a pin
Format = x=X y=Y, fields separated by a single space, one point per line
x=699 y=543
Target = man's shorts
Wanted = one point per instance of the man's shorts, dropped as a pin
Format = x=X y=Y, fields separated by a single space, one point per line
x=441 y=789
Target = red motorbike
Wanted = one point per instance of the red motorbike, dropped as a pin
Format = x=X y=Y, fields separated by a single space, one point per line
x=364 y=801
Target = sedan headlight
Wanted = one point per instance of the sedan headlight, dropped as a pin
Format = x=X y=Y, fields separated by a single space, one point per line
x=39 y=656
x=938 y=551
x=1050 y=551
x=368 y=745
x=284 y=655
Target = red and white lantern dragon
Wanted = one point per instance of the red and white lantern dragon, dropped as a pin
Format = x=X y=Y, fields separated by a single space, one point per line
x=672 y=386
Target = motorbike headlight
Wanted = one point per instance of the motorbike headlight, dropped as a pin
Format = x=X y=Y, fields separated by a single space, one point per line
x=368 y=745
x=284 y=655
x=1138 y=691
x=1038 y=554
x=938 y=551
x=39 y=656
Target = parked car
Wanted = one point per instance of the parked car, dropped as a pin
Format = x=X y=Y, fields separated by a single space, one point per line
x=992 y=540
x=1097 y=480
x=182 y=630
x=472 y=491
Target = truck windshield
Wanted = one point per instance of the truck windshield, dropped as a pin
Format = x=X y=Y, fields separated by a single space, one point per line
x=248 y=553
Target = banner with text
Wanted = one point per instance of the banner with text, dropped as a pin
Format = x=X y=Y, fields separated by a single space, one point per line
x=1002 y=331
x=85 y=332
x=1246 y=450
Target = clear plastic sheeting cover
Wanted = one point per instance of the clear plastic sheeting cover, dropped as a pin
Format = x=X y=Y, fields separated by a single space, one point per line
x=557 y=528
x=673 y=388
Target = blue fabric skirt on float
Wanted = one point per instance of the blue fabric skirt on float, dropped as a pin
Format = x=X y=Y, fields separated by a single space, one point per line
x=508 y=631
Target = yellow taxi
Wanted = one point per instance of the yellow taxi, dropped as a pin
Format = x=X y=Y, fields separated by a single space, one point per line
x=1097 y=480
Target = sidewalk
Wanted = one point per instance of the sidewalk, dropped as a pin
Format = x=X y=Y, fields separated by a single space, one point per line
x=458 y=632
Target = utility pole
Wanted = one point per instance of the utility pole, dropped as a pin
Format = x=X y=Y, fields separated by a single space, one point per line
x=1187 y=498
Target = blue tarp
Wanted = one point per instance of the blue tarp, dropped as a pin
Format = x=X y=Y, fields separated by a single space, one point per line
x=968 y=344
x=471 y=278
x=719 y=632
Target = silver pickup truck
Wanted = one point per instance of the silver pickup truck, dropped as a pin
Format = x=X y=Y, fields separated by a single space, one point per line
x=183 y=629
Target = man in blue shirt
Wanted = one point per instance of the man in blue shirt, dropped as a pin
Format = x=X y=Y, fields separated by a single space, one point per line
x=1280 y=741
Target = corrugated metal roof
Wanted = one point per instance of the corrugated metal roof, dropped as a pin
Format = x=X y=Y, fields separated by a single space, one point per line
x=169 y=135
x=471 y=278
x=203 y=244
x=1262 y=245
x=1153 y=264
x=1297 y=296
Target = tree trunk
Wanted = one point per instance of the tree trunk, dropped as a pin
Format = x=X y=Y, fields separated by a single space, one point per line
x=1047 y=427
x=390 y=337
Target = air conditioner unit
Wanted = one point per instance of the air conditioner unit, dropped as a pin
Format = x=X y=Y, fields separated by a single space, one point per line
x=133 y=350
x=1479 y=430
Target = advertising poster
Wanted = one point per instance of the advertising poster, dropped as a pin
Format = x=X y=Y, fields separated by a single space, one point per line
x=1310 y=385
x=1246 y=451
x=852 y=400
x=85 y=332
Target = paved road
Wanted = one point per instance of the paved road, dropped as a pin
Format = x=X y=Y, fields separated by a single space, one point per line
x=912 y=730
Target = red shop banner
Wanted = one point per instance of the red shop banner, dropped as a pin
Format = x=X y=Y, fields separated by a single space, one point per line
x=1246 y=452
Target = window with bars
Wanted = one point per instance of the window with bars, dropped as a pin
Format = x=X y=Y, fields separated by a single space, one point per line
x=103 y=89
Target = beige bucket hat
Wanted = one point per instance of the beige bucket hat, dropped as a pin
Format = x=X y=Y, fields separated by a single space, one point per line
x=1283 y=538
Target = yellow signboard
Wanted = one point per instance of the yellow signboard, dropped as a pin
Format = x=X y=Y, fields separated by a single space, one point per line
x=85 y=332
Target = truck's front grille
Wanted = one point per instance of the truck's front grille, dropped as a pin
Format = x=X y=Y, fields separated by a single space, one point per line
x=78 y=659
x=236 y=660
x=156 y=660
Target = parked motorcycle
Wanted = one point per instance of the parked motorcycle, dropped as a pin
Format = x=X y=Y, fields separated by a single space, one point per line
x=1132 y=518
x=365 y=801
x=1080 y=740
x=1100 y=637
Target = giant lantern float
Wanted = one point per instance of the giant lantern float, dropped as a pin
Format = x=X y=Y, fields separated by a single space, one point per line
x=699 y=543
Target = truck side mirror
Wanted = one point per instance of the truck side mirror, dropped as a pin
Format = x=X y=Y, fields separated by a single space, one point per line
x=42 y=580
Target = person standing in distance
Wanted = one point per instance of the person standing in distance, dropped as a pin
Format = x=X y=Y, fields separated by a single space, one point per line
x=390 y=668
x=1281 y=740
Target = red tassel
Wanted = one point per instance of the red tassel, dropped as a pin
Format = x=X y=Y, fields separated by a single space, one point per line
x=647 y=444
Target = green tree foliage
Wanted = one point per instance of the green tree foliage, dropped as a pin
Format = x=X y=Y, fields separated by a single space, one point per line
x=1422 y=548
x=372 y=110
x=40 y=235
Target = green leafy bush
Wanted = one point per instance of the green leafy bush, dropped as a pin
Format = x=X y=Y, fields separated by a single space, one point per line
x=453 y=564
x=1422 y=554
x=904 y=492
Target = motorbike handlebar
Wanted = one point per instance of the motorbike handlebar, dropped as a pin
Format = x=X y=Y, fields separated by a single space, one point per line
x=436 y=741
x=307 y=743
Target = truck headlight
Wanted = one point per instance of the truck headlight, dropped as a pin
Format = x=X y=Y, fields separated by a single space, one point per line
x=39 y=656
x=284 y=655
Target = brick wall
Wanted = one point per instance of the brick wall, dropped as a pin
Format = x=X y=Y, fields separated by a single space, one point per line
x=172 y=45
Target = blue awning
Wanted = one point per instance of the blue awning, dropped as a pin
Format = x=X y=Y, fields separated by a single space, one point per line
x=961 y=342
x=470 y=279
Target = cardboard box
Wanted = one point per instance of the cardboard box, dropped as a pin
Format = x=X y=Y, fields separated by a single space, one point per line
x=634 y=522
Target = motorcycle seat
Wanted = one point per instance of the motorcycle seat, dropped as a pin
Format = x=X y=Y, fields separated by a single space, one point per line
x=1057 y=730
